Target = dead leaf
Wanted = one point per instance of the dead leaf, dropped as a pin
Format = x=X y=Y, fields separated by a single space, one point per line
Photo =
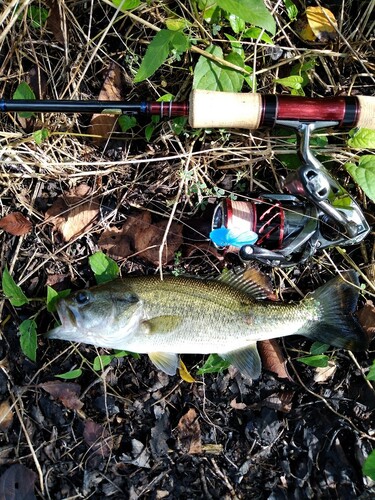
x=273 y=358
x=116 y=243
x=323 y=374
x=38 y=81
x=6 y=416
x=66 y=392
x=148 y=242
x=366 y=317
x=189 y=433
x=16 y=224
x=317 y=24
x=184 y=373
x=322 y=23
x=104 y=124
x=280 y=401
x=71 y=215
x=97 y=438
x=141 y=455
x=140 y=235
x=237 y=406
x=55 y=21
x=17 y=483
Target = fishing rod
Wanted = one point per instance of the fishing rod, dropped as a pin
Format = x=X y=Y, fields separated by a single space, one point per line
x=211 y=109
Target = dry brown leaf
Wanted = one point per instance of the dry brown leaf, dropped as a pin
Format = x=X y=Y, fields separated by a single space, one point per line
x=322 y=374
x=148 y=242
x=67 y=392
x=97 y=438
x=6 y=416
x=140 y=235
x=55 y=22
x=17 y=483
x=71 y=215
x=280 y=401
x=16 y=224
x=189 y=433
x=120 y=243
x=237 y=406
x=104 y=124
x=273 y=358
x=116 y=243
x=366 y=317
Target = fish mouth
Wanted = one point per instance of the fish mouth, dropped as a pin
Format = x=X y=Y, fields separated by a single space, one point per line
x=68 y=318
x=67 y=315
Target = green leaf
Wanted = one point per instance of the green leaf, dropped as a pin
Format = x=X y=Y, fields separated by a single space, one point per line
x=125 y=5
x=371 y=373
x=209 y=9
x=40 y=135
x=236 y=45
x=209 y=75
x=122 y=354
x=319 y=348
x=177 y=23
x=158 y=50
x=303 y=70
x=28 y=338
x=12 y=291
x=362 y=138
x=24 y=91
x=255 y=33
x=364 y=174
x=179 y=124
x=251 y=11
x=155 y=119
x=291 y=10
x=292 y=82
x=213 y=364
x=320 y=360
x=127 y=122
x=70 y=375
x=53 y=297
x=101 y=362
x=369 y=466
x=104 y=268
x=37 y=15
x=236 y=23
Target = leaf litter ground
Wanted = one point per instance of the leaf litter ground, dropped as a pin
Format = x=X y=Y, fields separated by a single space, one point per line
x=128 y=431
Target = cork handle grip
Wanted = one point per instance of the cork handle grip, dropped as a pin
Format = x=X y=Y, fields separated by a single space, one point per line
x=209 y=109
x=366 y=115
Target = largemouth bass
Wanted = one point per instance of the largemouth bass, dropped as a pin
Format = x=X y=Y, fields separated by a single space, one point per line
x=176 y=315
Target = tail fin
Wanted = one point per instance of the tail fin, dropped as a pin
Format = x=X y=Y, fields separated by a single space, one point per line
x=337 y=302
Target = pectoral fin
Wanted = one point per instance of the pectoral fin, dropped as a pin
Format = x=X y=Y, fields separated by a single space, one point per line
x=167 y=362
x=246 y=360
x=162 y=324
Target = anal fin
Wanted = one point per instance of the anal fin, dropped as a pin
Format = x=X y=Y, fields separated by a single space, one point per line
x=246 y=360
x=167 y=362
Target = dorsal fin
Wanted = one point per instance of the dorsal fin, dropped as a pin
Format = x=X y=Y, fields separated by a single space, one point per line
x=250 y=280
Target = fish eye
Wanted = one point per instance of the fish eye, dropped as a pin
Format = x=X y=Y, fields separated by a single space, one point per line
x=82 y=298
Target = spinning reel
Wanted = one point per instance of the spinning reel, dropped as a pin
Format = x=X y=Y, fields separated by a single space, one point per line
x=286 y=229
